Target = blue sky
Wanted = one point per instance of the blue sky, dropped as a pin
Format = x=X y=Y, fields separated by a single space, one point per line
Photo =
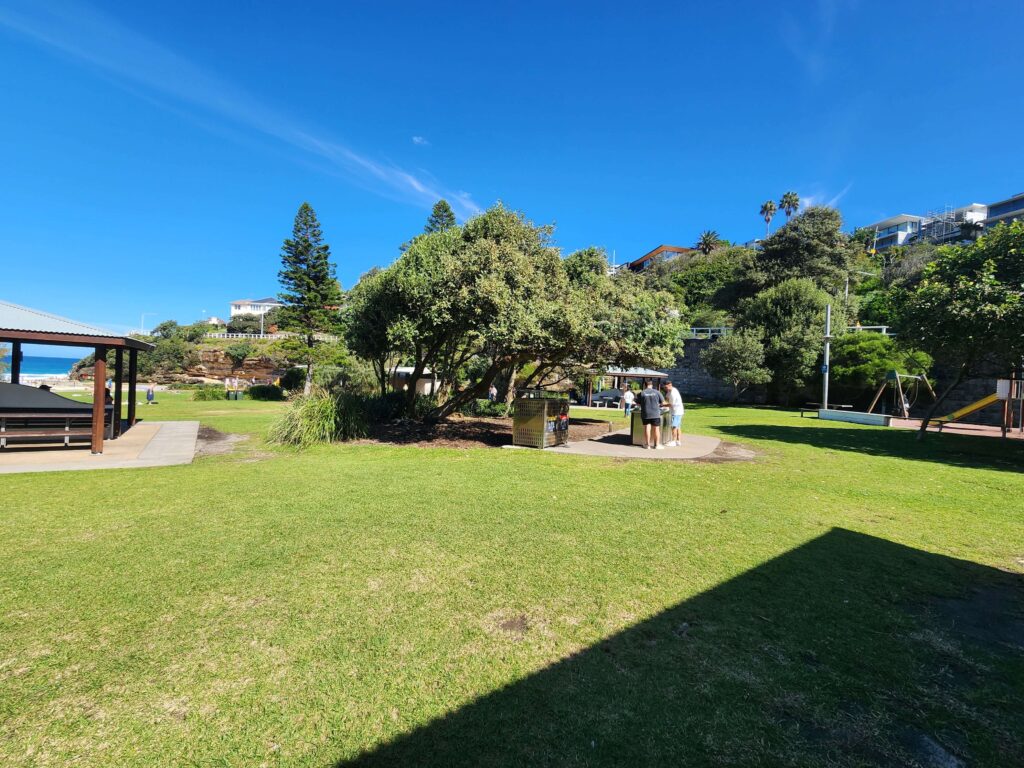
x=154 y=154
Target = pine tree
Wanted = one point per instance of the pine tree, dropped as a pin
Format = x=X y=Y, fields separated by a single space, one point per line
x=309 y=289
x=441 y=218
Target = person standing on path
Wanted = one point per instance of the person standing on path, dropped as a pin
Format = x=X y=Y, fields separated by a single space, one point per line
x=651 y=402
x=628 y=398
x=675 y=405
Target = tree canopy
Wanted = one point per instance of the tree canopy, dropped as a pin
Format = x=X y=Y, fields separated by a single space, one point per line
x=441 y=218
x=968 y=308
x=309 y=290
x=789 y=319
x=737 y=358
x=485 y=299
x=811 y=245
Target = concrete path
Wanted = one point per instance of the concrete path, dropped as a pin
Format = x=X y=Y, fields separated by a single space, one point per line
x=147 y=444
x=618 y=445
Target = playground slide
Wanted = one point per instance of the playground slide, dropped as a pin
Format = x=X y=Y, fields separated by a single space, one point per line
x=967 y=410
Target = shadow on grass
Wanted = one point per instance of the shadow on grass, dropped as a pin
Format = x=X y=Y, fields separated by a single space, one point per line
x=960 y=450
x=848 y=650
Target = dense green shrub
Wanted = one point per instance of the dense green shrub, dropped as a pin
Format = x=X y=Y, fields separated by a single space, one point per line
x=293 y=379
x=238 y=352
x=309 y=420
x=484 y=407
x=323 y=417
x=264 y=392
x=351 y=416
x=209 y=392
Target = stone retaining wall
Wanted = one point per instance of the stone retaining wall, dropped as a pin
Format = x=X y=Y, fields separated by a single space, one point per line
x=693 y=382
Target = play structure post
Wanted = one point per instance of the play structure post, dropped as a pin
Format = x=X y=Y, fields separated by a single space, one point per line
x=824 y=367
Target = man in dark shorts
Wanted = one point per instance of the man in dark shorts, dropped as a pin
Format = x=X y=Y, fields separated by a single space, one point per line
x=651 y=402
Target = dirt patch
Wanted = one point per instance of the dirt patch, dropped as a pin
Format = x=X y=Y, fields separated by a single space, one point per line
x=470 y=432
x=212 y=442
x=517 y=625
x=726 y=452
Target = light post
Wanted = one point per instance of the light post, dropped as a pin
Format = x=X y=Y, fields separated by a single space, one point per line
x=142 y=322
x=824 y=367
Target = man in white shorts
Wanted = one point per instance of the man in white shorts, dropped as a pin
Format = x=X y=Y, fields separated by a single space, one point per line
x=675 y=405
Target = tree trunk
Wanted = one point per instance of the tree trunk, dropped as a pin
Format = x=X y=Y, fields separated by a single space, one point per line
x=467 y=394
x=935 y=406
x=309 y=367
x=510 y=392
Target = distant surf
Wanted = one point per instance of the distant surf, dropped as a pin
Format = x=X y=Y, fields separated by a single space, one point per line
x=33 y=365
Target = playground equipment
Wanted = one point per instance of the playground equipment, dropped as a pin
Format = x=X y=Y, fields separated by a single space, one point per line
x=904 y=398
x=1007 y=391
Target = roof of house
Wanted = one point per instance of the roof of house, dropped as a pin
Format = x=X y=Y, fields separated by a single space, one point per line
x=635 y=373
x=660 y=250
x=18 y=323
x=900 y=218
x=268 y=300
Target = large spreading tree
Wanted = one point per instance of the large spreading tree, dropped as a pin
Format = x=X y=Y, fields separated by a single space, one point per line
x=493 y=300
x=310 y=291
x=967 y=311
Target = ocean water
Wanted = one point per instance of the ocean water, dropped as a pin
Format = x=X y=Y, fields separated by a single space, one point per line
x=32 y=365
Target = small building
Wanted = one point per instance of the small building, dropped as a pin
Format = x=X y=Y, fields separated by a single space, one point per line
x=895 y=230
x=254 y=306
x=401 y=380
x=1010 y=209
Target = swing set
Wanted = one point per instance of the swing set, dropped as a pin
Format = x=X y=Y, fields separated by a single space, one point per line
x=906 y=389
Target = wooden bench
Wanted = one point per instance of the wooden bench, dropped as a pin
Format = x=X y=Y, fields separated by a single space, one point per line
x=48 y=427
x=815 y=407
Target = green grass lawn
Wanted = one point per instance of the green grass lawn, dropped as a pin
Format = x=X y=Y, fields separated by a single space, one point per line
x=850 y=598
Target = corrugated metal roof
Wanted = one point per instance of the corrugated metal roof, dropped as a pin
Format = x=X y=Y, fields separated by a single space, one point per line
x=14 y=317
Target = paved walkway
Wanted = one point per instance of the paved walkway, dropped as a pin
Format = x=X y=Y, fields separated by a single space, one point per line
x=959 y=428
x=147 y=444
x=618 y=445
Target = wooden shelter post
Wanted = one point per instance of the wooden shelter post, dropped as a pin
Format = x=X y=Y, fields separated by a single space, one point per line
x=133 y=375
x=99 y=375
x=16 y=362
x=118 y=395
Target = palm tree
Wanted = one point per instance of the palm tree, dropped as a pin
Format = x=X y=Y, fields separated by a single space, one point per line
x=768 y=211
x=790 y=203
x=708 y=241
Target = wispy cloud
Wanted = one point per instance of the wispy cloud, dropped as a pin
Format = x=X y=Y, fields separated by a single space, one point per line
x=809 y=36
x=420 y=141
x=824 y=198
x=87 y=35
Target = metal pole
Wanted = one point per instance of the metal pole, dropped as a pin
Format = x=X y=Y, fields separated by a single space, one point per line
x=824 y=367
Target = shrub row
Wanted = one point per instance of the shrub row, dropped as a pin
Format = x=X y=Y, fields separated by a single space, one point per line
x=324 y=417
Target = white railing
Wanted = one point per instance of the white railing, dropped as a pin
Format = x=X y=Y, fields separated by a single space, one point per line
x=708 y=332
x=247 y=335
x=282 y=335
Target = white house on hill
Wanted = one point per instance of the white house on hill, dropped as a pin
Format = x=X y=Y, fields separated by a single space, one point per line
x=254 y=306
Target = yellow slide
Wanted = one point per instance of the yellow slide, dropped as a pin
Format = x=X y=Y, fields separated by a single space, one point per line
x=967 y=410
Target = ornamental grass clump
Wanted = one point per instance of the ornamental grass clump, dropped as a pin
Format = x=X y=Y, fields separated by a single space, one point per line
x=309 y=420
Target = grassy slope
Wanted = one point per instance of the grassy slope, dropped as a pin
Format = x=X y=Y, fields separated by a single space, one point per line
x=303 y=608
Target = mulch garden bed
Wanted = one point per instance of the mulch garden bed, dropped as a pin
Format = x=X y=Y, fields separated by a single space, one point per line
x=470 y=432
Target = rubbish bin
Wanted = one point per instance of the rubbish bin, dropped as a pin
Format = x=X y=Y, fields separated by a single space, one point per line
x=540 y=422
x=637 y=427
